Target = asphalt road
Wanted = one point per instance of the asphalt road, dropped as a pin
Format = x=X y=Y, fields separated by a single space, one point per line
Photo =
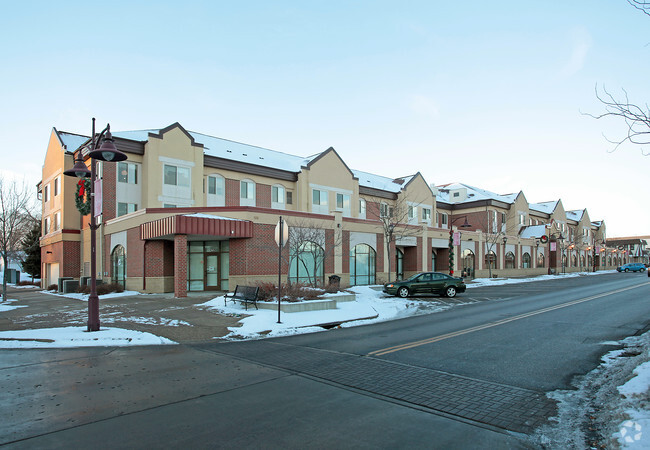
x=474 y=376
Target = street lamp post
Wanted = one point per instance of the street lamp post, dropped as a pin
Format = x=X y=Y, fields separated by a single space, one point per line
x=106 y=152
x=451 y=241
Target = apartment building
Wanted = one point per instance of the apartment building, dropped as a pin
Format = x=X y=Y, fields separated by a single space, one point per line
x=192 y=212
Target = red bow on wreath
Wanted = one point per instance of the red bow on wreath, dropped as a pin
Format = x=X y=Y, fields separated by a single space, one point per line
x=82 y=188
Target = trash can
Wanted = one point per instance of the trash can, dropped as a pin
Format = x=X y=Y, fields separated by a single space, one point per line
x=335 y=281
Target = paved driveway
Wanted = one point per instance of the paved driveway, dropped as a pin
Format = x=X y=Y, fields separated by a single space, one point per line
x=180 y=320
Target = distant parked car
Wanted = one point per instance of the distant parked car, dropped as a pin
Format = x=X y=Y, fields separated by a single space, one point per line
x=631 y=267
x=426 y=283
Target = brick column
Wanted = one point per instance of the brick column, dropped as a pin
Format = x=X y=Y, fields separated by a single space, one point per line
x=180 y=265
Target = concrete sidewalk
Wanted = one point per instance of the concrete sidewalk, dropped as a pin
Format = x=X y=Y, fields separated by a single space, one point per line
x=180 y=320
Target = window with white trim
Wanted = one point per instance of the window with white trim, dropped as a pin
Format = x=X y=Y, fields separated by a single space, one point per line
x=444 y=219
x=57 y=188
x=343 y=204
x=362 y=208
x=57 y=221
x=216 y=191
x=246 y=193
x=319 y=201
x=46 y=193
x=412 y=214
x=126 y=208
x=46 y=226
x=127 y=173
x=277 y=196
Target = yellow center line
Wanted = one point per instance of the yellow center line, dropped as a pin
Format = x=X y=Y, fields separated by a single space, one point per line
x=442 y=337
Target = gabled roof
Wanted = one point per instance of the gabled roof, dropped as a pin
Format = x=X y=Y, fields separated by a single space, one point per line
x=532 y=231
x=575 y=215
x=71 y=141
x=544 y=207
x=473 y=194
x=382 y=183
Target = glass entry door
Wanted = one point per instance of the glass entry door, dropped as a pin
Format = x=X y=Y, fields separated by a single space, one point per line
x=212 y=272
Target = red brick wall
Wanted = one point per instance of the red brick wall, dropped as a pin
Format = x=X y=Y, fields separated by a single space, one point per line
x=134 y=253
x=410 y=259
x=232 y=192
x=262 y=195
x=257 y=255
x=180 y=265
x=380 y=253
x=67 y=254
x=345 y=250
x=109 y=181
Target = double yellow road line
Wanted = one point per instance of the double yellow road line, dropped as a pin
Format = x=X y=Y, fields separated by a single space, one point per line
x=397 y=348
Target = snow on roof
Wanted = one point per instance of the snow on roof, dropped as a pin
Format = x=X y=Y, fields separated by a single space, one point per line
x=473 y=194
x=532 y=231
x=210 y=216
x=544 y=207
x=71 y=141
x=371 y=180
x=575 y=215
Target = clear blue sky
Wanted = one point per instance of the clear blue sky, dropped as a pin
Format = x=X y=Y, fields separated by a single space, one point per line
x=485 y=93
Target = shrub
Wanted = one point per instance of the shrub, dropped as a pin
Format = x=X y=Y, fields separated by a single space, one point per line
x=30 y=283
x=292 y=292
x=102 y=289
x=53 y=287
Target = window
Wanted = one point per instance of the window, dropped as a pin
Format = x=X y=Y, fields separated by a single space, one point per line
x=319 y=201
x=525 y=261
x=362 y=265
x=412 y=212
x=503 y=218
x=490 y=259
x=510 y=260
x=176 y=176
x=383 y=210
x=277 y=196
x=128 y=173
x=319 y=197
x=216 y=192
x=456 y=194
x=306 y=264
x=522 y=219
x=246 y=193
x=342 y=201
x=289 y=198
x=57 y=180
x=125 y=208
x=443 y=220
x=46 y=193
x=540 y=260
x=46 y=225
x=426 y=214
x=362 y=208
x=57 y=221
x=169 y=205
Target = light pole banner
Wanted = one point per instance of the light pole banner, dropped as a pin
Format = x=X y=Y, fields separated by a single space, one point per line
x=456 y=238
x=97 y=192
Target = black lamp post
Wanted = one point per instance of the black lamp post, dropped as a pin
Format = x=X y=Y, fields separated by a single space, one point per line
x=451 y=241
x=107 y=152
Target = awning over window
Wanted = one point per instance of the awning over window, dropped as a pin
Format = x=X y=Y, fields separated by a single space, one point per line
x=196 y=224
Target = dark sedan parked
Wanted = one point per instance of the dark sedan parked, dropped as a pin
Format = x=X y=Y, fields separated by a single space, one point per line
x=426 y=283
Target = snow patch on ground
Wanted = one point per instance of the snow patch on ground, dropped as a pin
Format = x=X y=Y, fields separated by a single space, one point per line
x=77 y=337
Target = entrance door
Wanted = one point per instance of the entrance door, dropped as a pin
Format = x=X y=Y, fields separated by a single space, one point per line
x=212 y=272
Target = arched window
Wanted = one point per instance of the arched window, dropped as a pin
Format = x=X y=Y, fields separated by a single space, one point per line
x=525 y=260
x=510 y=260
x=490 y=259
x=540 y=260
x=362 y=265
x=469 y=260
x=306 y=264
x=433 y=259
x=118 y=265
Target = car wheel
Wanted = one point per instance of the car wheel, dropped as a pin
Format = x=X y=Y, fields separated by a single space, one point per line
x=450 y=292
x=627 y=270
x=403 y=292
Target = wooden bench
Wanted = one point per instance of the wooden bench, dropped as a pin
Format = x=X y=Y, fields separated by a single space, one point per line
x=243 y=294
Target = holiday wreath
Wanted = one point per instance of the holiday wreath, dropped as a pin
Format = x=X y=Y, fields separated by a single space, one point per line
x=83 y=190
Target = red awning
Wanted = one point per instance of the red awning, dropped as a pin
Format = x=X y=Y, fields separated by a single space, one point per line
x=201 y=225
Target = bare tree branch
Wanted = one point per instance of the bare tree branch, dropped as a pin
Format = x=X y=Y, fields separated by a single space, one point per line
x=636 y=118
x=642 y=6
